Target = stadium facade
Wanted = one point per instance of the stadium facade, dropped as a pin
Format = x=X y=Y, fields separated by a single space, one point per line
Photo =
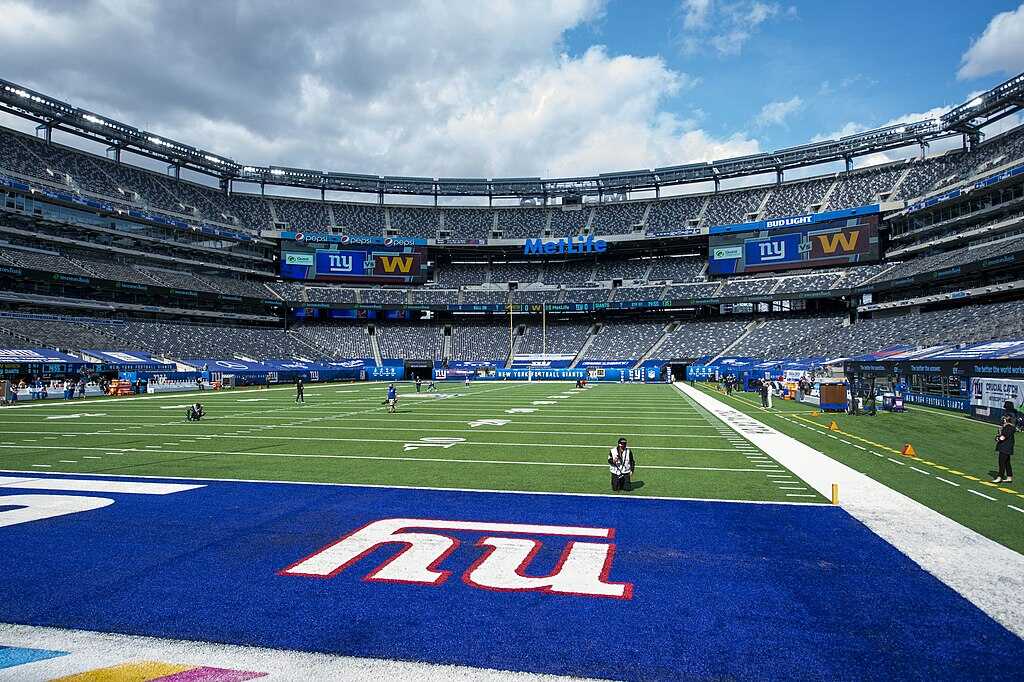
x=206 y=264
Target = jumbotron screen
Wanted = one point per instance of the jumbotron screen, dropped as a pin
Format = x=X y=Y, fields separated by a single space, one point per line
x=365 y=264
x=835 y=242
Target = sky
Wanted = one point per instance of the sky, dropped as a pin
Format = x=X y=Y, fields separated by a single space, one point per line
x=507 y=88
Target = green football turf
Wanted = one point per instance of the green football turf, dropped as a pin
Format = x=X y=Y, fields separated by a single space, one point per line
x=951 y=473
x=556 y=439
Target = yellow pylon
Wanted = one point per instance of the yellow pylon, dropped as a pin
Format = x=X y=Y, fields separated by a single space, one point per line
x=815 y=413
x=908 y=450
x=833 y=426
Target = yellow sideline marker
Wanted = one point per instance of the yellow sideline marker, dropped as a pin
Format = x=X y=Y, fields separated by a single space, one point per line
x=908 y=450
x=833 y=426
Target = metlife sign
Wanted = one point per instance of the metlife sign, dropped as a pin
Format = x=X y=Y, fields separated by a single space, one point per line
x=578 y=247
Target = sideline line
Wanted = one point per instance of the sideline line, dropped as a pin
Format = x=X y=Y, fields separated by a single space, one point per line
x=982 y=570
x=880 y=446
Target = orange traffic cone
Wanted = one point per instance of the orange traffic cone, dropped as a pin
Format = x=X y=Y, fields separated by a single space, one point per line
x=908 y=450
x=833 y=426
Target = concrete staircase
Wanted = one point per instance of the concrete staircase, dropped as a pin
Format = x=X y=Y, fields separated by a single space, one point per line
x=594 y=331
x=376 y=347
x=666 y=332
x=746 y=332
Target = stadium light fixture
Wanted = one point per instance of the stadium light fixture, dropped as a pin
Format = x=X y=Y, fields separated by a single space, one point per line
x=975 y=103
x=94 y=119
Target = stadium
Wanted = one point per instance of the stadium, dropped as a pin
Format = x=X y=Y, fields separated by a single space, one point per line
x=262 y=421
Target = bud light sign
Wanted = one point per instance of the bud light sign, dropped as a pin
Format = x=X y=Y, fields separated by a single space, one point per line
x=839 y=241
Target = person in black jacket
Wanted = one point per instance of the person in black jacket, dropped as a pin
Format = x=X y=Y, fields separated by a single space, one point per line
x=1004 y=447
x=1009 y=409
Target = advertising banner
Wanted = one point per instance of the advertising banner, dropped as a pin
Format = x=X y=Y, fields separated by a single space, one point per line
x=988 y=394
x=37 y=355
x=362 y=265
x=816 y=244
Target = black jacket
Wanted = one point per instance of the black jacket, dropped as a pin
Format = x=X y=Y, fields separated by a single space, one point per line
x=1004 y=442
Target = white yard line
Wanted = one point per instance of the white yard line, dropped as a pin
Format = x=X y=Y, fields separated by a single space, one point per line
x=463 y=422
x=396 y=458
x=249 y=436
x=980 y=569
x=407 y=487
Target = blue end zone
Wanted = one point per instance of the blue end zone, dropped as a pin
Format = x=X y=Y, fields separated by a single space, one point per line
x=720 y=590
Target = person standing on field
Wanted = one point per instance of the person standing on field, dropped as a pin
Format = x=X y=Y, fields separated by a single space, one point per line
x=392 y=399
x=621 y=463
x=1004 y=448
x=300 y=391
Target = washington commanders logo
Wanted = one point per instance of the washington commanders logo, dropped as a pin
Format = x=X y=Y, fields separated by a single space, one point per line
x=504 y=557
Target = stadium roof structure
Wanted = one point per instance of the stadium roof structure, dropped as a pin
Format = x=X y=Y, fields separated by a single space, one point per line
x=967 y=119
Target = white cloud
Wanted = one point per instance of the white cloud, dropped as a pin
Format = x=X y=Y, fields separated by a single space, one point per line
x=695 y=13
x=408 y=87
x=760 y=12
x=725 y=27
x=775 y=113
x=729 y=44
x=1000 y=49
x=853 y=127
x=936 y=147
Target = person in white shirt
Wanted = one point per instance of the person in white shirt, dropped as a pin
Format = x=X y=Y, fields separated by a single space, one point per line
x=621 y=462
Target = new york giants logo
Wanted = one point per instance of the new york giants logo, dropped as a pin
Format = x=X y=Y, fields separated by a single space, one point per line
x=582 y=570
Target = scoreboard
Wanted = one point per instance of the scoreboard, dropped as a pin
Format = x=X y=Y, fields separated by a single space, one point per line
x=840 y=241
x=366 y=264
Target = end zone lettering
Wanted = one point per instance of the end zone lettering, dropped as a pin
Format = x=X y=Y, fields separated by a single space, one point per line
x=579 y=246
x=582 y=570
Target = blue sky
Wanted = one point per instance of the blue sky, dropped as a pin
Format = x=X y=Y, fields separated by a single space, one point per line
x=846 y=61
x=507 y=88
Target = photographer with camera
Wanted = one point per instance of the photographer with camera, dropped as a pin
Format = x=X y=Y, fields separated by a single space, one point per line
x=621 y=462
